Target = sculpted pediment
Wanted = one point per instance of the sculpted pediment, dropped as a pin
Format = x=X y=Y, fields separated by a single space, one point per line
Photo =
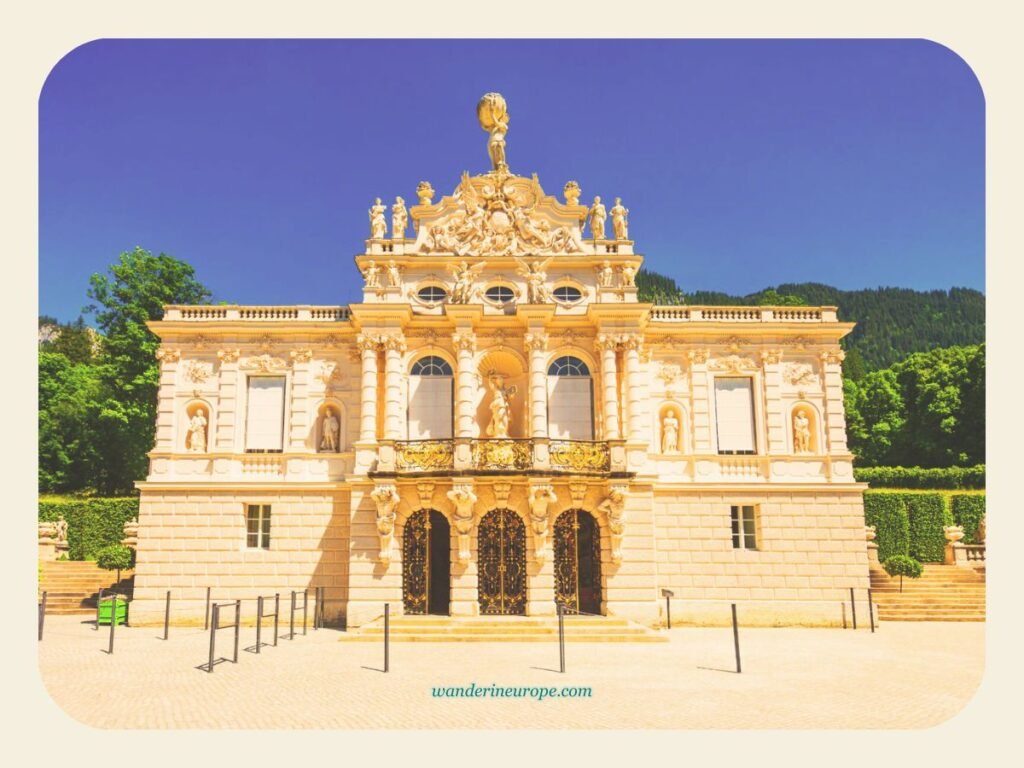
x=499 y=214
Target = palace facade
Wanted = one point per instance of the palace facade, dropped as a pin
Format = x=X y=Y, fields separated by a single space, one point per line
x=500 y=426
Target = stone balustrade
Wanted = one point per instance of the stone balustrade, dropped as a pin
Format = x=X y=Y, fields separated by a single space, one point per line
x=717 y=314
x=234 y=312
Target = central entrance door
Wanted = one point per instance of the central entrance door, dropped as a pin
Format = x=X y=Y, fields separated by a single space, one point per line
x=577 y=562
x=501 y=560
x=426 y=563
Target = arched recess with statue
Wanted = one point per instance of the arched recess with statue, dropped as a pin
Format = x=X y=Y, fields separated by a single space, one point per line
x=501 y=563
x=577 y=560
x=426 y=563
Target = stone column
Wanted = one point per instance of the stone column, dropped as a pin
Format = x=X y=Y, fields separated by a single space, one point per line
x=636 y=388
x=227 y=400
x=169 y=359
x=536 y=345
x=299 y=427
x=605 y=346
x=775 y=418
x=368 y=347
x=465 y=383
x=700 y=406
x=832 y=384
x=394 y=347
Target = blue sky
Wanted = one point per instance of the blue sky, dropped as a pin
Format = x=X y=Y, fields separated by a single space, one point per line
x=744 y=163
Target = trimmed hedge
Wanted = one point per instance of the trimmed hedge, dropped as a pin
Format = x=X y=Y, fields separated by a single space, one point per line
x=92 y=523
x=968 y=509
x=942 y=478
x=888 y=513
x=908 y=524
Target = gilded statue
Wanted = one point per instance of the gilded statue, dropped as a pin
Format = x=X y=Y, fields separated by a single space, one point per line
x=399 y=219
x=536 y=277
x=801 y=432
x=197 y=432
x=465 y=275
x=619 y=222
x=598 y=214
x=329 y=428
x=670 y=433
x=372 y=275
x=492 y=112
x=501 y=406
x=378 y=225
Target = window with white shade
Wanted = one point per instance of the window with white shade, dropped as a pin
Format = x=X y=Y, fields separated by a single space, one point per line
x=264 y=417
x=734 y=415
x=430 y=399
x=570 y=400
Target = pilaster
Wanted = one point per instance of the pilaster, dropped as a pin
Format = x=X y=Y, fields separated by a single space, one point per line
x=169 y=360
x=700 y=406
x=227 y=400
x=832 y=387
x=300 y=422
x=771 y=361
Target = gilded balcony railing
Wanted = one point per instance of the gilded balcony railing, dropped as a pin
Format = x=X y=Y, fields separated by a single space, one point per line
x=424 y=455
x=580 y=456
x=499 y=454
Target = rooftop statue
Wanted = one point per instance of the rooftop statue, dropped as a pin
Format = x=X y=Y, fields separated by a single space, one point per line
x=492 y=112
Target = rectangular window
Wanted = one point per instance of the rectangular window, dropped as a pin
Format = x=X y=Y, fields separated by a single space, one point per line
x=264 y=417
x=257 y=527
x=734 y=415
x=430 y=407
x=570 y=408
x=744 y=528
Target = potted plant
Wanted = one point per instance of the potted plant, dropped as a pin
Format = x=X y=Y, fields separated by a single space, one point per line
x=902 y=565
x=116 y=557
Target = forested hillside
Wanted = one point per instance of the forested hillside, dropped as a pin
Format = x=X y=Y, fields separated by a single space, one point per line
x=891 y=322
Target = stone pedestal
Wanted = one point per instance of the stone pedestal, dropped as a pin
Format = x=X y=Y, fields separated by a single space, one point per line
x=873 y=554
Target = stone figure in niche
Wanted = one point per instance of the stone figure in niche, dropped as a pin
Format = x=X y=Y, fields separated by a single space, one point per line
x=801 y=432
x=605 y=275
x=372 y=275
x=501 y=406
x=329 y=428
x=378 y=225
x=394 y=275
x=598 y=215
x=619 y=222
x=60 y=530
x=399 y=219
x=628 y=276
x=536 y=275
x=197 y=432
x=462 y=290
x=670 y=433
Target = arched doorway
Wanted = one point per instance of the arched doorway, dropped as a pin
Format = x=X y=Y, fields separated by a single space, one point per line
x=501 y=560
x=426 y=563
x=578 y=562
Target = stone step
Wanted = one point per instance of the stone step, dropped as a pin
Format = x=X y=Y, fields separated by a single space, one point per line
x=508 y=638
x=951 y=617
x=508 y=629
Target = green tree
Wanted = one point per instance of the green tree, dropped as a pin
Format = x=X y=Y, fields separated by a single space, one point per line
x=133 y=292
x=772 y=298
x=652 y=288
x=854 y=368
x=68 y=393
x=75 y=341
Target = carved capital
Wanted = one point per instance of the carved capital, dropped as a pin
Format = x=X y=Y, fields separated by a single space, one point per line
x=698 y=356
x=771 y=356
x=604 y=342
x=631 y=341
x=535 y=342
x=833 y=356
x=394 y=343
x=464 y=342
x=367 y=343
x=301 y=355
x=168 y=355
x=229 y=355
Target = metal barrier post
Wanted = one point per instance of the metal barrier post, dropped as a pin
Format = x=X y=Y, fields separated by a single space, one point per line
x=668 y=610
x=259 y=621
x=113 y=622
x=167 y=613
x=736 y=639
x=42 y=615
x=853 y=608
x=305 y=603
x=238 y=626
x=291 y=619
x=206 y=617
x=871 y=611
x=387 y=636
x=561 y=638
x=277 y=612
x=213 y=635
x=843 y=604
x=99 y=599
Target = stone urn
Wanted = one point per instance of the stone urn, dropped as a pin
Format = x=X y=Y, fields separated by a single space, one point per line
x=870 y=532
x=953 y=535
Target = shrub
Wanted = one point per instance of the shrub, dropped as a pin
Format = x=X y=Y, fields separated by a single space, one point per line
x=928 y=516
x=901 y=565
x=968 y=509
x=115 y=557
x=93 y=523
x=940 y=478
x=888 y=513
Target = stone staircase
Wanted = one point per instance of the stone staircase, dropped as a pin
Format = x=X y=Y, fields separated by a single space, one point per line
x=943 y=593
x=505 y=629
x=72 y=586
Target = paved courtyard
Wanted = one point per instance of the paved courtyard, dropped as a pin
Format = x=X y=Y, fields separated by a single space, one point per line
x=907 y=675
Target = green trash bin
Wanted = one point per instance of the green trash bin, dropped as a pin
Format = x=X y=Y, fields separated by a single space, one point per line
x=106 y=606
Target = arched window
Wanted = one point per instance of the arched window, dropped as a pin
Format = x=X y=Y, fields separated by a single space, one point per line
x=430 y=399
x=431 y=366
x=570 y=399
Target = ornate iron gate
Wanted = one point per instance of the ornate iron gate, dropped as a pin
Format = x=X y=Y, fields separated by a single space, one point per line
x=501 y=560
x=415 y=562
x=577 y=562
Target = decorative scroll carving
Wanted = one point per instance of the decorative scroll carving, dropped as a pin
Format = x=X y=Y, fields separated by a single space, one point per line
x=669 y=373
x=168 y=355
x=301 y=355
x=800 y=375
x=541 y=496
x=580 y=456
x=425 y=491
x=577 y=492
x=367 y=343
x=614 y=506
x=698 y=356
x=198 y=371
x=733 y=364
x=386 y=498
x=463 y=499
x=501 y=492
x=502 y=454
x=330 y=375
x=264 y=363
x=833 y=356
x=264 y=342
x=229 y=355
x=424 y=455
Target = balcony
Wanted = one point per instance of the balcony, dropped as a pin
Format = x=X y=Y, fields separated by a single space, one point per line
x=465 y=456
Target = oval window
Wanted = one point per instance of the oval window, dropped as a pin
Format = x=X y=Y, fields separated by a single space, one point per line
x=567 y=294
x=432 y=293
x=499 y=294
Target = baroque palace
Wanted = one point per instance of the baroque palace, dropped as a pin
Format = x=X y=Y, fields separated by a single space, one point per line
x=499 y=427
